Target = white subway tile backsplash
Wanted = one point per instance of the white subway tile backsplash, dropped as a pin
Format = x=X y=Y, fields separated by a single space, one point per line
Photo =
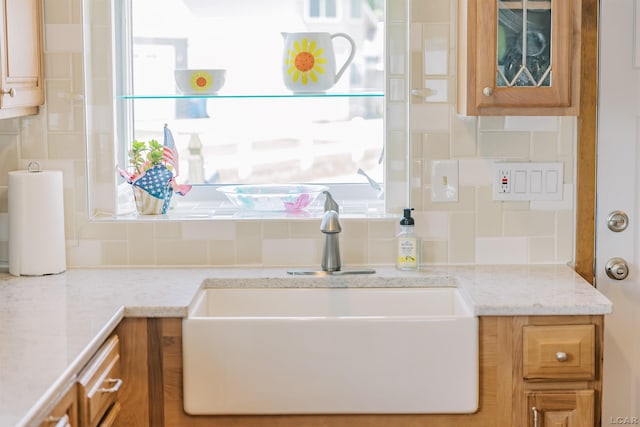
x=397 y=90
x=475 y=172
x=530 y=123
x=504 y=145
x=396 y=116
x=433 y=225
x=63 y=38
x=430 y=118
x=474 y=230
x=439 y=89
x=208 y=230
x=436 y=49
x=502 y=250
x=398 y=49
x=291 y=252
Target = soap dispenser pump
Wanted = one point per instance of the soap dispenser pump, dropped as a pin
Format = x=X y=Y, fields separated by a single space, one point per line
x=408 y=244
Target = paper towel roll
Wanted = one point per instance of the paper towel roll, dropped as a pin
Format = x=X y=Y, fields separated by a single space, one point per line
x=36 y=223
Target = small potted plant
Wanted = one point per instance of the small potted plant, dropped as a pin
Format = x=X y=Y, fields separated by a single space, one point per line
x=154 y=168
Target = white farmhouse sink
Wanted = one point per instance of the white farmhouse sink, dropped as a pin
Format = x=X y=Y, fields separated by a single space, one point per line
x=328 y=350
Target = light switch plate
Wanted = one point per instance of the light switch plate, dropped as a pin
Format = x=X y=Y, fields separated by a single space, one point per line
x=527 y=181
x=444 y=180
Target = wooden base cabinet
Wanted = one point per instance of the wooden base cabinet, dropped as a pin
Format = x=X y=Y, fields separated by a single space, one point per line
x=561 y=370
x=563 y=392
x=91 y=400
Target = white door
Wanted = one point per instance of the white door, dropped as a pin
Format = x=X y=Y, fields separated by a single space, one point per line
x=617 y=190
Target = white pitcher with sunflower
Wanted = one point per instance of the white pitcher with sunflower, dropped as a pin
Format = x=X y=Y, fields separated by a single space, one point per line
x=309 y=63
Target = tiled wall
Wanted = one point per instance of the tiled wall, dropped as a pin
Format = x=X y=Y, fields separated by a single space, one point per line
x=476 y=229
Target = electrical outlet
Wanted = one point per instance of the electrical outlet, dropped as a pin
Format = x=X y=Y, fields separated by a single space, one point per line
x=504 y=181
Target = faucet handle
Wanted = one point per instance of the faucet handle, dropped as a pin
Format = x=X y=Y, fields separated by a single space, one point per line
x=330 y=223
x=329 y=203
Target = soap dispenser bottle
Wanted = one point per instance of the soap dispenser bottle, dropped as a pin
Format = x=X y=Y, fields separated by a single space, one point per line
x=408 y=244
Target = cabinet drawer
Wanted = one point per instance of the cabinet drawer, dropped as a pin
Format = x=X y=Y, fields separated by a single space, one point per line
x=559 y=352
x=99 y=383
x=65 y=413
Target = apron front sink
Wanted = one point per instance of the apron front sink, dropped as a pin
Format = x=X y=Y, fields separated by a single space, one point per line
x=328 y=350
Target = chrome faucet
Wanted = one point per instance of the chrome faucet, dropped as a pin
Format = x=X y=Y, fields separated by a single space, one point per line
x=330 y=227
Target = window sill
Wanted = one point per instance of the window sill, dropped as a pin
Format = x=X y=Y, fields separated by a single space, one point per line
x=201 y=210
x=204 y=203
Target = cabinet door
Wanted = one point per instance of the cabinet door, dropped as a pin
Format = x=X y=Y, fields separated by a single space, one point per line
x=524 y=55
x=563 y=408
x=21 y=55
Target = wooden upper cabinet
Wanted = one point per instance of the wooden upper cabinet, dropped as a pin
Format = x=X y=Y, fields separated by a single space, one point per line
x=21 y=50
x=519 y=57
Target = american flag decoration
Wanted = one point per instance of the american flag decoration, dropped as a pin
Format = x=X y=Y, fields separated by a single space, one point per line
x=170 y=153
x=154 y=187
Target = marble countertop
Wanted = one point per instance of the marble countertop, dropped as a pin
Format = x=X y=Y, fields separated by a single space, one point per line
x=51 y=325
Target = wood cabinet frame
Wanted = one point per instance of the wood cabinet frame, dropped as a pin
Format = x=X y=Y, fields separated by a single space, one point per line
x=477 y=71
x=587 y=145
x=21 y=57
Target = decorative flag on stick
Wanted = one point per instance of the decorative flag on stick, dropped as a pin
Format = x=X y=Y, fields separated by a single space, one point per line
x=170 y=153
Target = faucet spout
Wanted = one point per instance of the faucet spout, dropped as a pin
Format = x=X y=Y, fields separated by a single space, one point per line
x=330 y=227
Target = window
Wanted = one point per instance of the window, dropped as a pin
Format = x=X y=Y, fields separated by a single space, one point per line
x=322 y=9
x=255 y=130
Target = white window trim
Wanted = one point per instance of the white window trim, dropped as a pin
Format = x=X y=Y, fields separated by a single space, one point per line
x=101 y=125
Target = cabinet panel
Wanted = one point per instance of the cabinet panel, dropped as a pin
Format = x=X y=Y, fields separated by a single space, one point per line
x=566 y=409
x=65 y=413
x=21 y=50
x=99 y=383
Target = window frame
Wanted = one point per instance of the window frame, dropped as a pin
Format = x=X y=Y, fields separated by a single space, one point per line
x=104 y=188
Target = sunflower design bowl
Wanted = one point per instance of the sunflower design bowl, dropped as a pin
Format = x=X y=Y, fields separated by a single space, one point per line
x=200 y=82
x=272 y=198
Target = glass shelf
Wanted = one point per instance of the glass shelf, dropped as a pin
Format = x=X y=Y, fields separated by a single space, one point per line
x=255 y=96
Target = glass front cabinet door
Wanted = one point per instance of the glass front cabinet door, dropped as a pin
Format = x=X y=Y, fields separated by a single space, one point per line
x=519 y=57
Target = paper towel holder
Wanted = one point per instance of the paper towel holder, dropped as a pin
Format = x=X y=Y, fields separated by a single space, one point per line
x=33 y=166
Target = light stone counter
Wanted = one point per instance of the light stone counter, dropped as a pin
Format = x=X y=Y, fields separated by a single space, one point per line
x=51 y=325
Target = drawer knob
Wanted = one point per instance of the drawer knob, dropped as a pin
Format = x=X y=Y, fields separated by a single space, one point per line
x=561 y=356
x=117 y=383
x=11 y=92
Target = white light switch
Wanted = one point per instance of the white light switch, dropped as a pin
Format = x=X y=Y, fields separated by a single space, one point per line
x=536 y=181
x=551 y=181
x=520 y=181
x=444 y=180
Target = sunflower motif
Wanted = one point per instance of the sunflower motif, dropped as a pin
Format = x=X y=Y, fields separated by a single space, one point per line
x=201 y=81
x=305 y=61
